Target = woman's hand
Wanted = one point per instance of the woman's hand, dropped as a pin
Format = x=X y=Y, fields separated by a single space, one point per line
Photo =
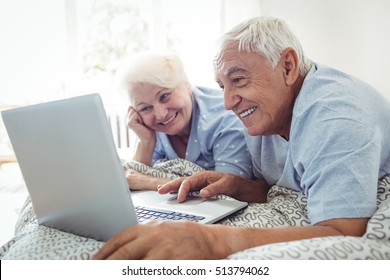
x=139 y=181
x=136 y=124
x=146 y=137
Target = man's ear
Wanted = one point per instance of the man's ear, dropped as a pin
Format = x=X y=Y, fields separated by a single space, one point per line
x=290 y=66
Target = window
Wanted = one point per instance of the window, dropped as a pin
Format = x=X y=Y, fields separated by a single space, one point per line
x=54 y=49
x=108 y=31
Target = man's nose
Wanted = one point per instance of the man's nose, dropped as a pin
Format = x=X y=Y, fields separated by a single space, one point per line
x=230 y=99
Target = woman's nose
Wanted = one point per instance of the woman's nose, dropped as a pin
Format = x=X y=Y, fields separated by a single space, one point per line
x=160 y=112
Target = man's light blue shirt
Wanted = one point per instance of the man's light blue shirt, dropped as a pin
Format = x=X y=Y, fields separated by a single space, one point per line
x=339 y=146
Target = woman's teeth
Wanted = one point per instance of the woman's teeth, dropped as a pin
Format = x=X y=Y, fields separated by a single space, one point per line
x=248 y=112
x=169 y=120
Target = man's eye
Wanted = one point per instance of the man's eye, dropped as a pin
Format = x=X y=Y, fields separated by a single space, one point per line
x=238 y=81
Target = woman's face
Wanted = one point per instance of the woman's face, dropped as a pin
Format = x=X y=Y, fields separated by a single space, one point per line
x=164 y=109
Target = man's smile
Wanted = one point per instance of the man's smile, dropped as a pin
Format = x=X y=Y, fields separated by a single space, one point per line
x=248 y=112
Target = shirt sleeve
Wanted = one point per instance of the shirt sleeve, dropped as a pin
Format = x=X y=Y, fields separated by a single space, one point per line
x=230 y=151
x=220 y=134
x=336 y=157
x=159 y=151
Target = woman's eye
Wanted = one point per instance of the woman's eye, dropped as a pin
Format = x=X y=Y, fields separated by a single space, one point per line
x=164 y=96
x=145 y=109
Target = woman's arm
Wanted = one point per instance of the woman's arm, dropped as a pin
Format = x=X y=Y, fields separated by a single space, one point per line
x=144 y=151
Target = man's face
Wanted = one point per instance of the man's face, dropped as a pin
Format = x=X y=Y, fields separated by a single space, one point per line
x=256 y=93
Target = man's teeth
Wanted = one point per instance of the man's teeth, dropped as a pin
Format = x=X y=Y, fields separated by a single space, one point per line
x=248 y=112
x=169 y=120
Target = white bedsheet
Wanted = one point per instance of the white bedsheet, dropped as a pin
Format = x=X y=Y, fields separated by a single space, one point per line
x=284 y=208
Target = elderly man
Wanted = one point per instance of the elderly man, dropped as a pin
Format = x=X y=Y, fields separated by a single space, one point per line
x=309 y=128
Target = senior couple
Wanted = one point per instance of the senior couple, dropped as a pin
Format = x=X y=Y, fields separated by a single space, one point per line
x=282 y=120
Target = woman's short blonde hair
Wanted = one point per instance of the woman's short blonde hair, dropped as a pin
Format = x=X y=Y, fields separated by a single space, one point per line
x=161 y=69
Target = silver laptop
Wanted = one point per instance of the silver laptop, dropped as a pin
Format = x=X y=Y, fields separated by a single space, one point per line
x=67 y=155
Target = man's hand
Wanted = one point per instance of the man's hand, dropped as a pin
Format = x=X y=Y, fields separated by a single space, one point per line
x=189 y=240
x=166 y=240
x=211 y=183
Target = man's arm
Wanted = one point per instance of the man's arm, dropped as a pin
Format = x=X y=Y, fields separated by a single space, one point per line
x=211 y=183
x=189 y=240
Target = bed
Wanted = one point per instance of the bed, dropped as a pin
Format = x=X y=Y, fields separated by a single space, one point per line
x=284 y=208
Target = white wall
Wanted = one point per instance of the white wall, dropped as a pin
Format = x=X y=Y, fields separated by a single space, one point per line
x=350 y=35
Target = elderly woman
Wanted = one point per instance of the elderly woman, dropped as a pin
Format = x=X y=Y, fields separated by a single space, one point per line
x=173 y=120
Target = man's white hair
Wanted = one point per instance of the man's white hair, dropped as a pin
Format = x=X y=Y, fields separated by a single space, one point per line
x=267 y=36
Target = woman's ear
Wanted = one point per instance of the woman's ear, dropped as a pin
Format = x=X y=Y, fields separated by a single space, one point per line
x=290 y=66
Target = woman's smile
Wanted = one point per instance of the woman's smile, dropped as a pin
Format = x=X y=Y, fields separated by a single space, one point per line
x=169 y=120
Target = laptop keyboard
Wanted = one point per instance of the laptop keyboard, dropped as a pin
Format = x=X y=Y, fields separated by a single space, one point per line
x=147 y=214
